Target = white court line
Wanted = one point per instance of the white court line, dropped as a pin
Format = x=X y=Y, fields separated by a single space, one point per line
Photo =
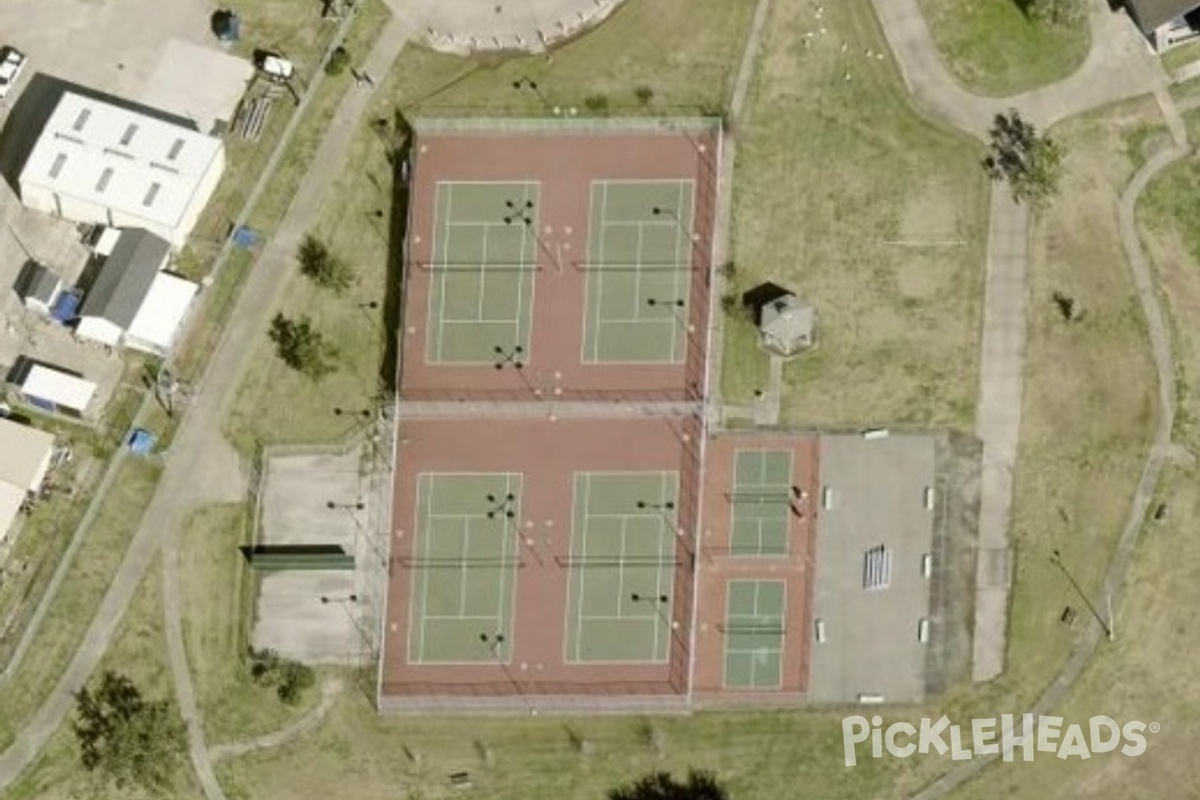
x=482 y=285
x=441 y=333
x=525 y=340
x=587 y=493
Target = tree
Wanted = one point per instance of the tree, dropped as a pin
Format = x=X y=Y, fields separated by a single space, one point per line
x=1031 y=164
x=290 y=678
x=339 y=59
x=1059 y=13
x=661 y=786
x=323 y=267
x=302 y=347
x=133 y=740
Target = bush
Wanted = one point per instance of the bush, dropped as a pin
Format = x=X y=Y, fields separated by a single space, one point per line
x=290 y=678
x=644 y=94
x=596 y=103
x=338 y=61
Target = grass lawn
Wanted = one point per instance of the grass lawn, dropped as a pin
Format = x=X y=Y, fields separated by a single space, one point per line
x=758 y=755
x=1088 y=411
x=76 y=602
x=139 y=651
x=686 y=55
x=994 y=49
x=1144 y=674
x=216 y=629
x=845 y=196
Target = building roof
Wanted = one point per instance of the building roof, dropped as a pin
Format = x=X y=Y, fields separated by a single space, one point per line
x=38 y=283
x=58 y=387
x=158 y=320
x=119 y=158
x=1152 y=13
x=124 y=281
x=788 y=321
x=24 y=455
x=11 y=499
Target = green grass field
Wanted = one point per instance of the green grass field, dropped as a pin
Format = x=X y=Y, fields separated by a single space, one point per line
x=216 y=628
x=73 y=607
x=864 y=210
x=139 y=651
x=992 y=48
x=1141 y=675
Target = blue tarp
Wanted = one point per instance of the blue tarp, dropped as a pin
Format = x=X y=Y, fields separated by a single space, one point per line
x=66 y=307
x=141 y=442
x=246 y=238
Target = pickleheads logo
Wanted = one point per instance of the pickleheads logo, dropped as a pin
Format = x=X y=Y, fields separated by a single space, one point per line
x=993 y=736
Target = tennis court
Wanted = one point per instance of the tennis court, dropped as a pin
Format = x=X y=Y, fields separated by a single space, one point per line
x=640 y=240
x=754 y=634
x=622 y=566
x=463 y=567
x=761 y=502
x=484 y=260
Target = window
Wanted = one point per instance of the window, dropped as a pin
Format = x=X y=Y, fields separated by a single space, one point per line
x=82 y=119
x=877 y=568
x=56 y=167
x=128 y=135
x=151 y=194
x=173 y=153
x=105 y=177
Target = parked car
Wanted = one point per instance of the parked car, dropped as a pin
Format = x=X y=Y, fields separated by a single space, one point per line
x=12 y=64
x=274 y=66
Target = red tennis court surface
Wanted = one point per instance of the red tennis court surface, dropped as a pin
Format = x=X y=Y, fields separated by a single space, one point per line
x=546 y=456
x=544 y=551
x=721 y=563
x=557 y=175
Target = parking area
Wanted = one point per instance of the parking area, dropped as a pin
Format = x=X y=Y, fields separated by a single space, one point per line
x=112 y=47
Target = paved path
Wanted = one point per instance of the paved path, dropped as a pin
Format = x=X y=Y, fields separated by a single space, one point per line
x=724 y=212
x=1160 y=453
x=329 y=694
x=257 y=301
x=1118 y=66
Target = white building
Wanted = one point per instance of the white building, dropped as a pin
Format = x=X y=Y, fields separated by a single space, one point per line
x=133 y=302
x=25 y=455
x=102 y=163
x=53 y=389
x=1166 y=23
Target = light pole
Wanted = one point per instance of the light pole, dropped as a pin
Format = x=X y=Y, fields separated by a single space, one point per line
x=358 y=629
x=1056 y=559
x=509 y=356
x=527 y=83
x=493 y=642
x=674 y=306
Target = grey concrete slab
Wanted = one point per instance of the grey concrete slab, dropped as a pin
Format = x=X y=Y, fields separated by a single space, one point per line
x=297 y=489
x=877 y=496
x=110 y=46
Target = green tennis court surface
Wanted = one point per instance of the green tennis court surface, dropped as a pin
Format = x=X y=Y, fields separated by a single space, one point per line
x=639 y=272
x=761 y=501
x=463 y=567
x=622 y=567
x=484 y=259
x=754 y=634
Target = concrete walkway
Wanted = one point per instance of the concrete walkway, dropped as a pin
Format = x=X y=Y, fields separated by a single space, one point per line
x=330 y=691
x=1117 y=67
x=1114 y=581
x=258 y=300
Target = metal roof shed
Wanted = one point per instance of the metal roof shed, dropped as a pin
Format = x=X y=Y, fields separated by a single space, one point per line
x=47 y=386
x=122 y=286
x=158 y=320
x=25 y=454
